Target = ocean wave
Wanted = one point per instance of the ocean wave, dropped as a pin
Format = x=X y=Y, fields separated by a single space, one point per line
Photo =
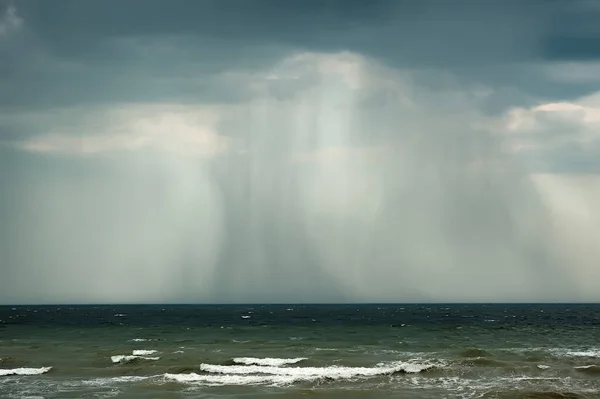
x=561 y=352
x=588 y=353
x=518 y=387
x=137 y=354
x=144 y=352
x=334 y=372
x=230 y=379
x=527 y=394
x=273 y=375
x=591 y=369
x=114 y=380
x=483 y=362
x=270 y=375
x=267 y=361
x=473 y=352
x=10 y=361
x=131 y=358
x=24 y=371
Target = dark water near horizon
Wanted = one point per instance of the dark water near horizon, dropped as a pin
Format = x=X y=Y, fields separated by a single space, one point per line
x=293 y=351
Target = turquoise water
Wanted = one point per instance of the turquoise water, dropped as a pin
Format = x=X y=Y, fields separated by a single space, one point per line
x=289 y=351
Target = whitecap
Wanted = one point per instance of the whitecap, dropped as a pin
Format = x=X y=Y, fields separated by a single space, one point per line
x=270 y=375
x=267 y=361
x=312 y=373
x=543 y=367
x=144 y=352
x=25 y=371
x=219 y=380
x=575 y=352
x=588 y=353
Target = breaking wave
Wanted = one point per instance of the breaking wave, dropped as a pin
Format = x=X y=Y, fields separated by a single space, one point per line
x=138 y=354
x=267 y=361
x=24 y=371
x=560 y=352
x=144 y=352
x=251 y=374
x=131 y=358
x=218 y=380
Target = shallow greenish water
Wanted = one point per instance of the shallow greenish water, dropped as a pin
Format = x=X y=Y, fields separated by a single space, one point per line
x=289 y=351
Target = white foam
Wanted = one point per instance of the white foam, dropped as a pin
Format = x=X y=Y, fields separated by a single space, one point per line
x=576 y=353
x=144 y=352
x=112 y=380
x=588 y=353
x=543 y=367
x=25 y=371
x=219 y=380
x=267 y=361
x=136 y=354
x=314 y=373
x=272 y=375
x=141 y=339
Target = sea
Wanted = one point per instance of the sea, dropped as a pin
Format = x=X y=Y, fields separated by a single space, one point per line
x=300 y=351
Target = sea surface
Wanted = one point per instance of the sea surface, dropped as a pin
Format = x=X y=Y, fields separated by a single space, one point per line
x=300 y=351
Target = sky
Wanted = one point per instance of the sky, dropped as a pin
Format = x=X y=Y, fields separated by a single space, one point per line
x=266 y=151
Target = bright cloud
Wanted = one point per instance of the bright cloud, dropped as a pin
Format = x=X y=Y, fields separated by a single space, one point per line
x=180 y=129
x=559 y=136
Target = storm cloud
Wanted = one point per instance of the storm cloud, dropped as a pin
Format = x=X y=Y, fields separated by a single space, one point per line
x=312 y=151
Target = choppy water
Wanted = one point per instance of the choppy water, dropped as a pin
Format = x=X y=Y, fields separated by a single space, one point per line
x=344 y=351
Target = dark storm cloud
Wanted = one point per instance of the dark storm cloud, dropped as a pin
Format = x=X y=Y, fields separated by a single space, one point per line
x=584 y=48
x=574 y=34
x=71 y=51
x=429 y=32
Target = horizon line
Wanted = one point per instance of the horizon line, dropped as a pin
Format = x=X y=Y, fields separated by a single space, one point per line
x=171 y=304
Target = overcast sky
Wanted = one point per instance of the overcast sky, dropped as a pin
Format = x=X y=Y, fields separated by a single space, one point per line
x=299 y=151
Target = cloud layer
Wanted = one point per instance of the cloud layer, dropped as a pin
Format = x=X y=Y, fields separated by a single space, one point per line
x=178 y=162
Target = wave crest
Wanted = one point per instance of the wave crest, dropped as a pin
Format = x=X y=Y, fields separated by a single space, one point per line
x=130 y=358
x=276 y=375
x=143 y=352
x=591 y=369
x=24 y=371
x=267 y=361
